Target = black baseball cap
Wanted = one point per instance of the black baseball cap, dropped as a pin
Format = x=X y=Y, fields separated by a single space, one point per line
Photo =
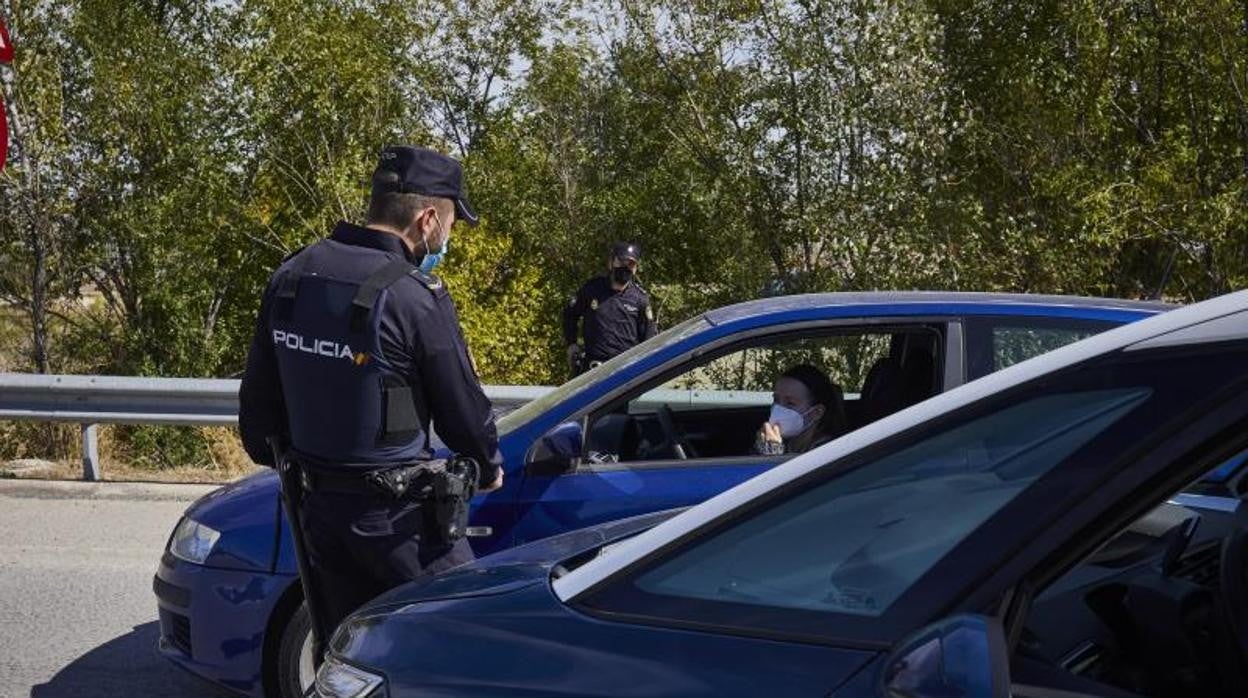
x=424 y=171
x=626 y=250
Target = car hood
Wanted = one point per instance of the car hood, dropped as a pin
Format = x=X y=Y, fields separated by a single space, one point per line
x=511 y=569
x=495 y=627
x=223 y=500
x=246 y=513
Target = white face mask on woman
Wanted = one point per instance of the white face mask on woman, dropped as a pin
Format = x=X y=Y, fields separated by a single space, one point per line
x=790 y=421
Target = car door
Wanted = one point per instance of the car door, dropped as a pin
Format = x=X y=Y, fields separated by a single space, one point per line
x=717 y=400
x=956 y=512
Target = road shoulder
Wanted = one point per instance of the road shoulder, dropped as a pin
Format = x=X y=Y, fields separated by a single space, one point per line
x=126 y=491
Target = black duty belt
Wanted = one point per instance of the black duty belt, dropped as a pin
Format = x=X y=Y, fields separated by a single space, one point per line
x=446 y=485
x=359 y=480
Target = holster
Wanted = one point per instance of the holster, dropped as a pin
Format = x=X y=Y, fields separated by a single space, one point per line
x=445 y=485
x=453 y=488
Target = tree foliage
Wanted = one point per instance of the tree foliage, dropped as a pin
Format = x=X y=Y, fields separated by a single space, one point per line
x=168 y=154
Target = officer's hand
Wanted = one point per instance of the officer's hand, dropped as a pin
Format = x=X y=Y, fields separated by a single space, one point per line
x=498 y=482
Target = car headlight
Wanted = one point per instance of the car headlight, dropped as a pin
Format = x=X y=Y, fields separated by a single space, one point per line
x=336 y=679
x=192 y=541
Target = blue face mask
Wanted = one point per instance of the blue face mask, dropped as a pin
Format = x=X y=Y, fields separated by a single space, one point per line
x=432 y=259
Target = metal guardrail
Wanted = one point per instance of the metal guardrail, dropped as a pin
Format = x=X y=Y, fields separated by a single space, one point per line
x=93 y=400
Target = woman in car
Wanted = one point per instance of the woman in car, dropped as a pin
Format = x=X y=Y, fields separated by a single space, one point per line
x=808 y=410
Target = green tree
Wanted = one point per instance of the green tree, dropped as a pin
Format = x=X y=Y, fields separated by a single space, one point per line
x=38 y=268
x=1094 y=145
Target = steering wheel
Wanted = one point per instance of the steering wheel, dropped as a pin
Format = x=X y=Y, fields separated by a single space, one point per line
x=672 y=434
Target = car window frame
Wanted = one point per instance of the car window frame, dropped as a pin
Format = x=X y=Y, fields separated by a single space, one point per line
x=981 y=594
x=735 y=342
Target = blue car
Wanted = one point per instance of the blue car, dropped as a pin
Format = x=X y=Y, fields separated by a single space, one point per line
x=668 y=424
x=1011 y=537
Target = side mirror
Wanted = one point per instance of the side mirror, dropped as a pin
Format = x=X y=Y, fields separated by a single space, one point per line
x=558 y=452
x=964 y=656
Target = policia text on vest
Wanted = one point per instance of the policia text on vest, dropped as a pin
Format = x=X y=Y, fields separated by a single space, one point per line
x=320 y=347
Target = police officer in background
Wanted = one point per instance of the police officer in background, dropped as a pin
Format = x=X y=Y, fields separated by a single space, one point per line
x=357 y=348
x=615 y=308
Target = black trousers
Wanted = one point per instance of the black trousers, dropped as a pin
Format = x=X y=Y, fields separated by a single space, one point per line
x=361 y=545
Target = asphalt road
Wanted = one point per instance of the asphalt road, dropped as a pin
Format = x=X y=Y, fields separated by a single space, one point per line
x=77 y=614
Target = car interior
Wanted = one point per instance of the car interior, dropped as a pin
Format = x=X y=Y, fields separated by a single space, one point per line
x=714 y=405
x=1160 y=610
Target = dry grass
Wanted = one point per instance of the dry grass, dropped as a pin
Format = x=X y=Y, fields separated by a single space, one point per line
x=223 y=458
x=117 y=472
x=226 y=449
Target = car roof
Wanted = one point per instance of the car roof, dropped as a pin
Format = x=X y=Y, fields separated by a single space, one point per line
x=776 y=304
x=1222 y=318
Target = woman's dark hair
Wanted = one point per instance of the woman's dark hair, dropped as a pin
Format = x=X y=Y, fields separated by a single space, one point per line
x=823 y=392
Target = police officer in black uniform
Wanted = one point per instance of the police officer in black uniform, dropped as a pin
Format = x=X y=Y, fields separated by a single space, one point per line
x=357 y=348
x=615 y=308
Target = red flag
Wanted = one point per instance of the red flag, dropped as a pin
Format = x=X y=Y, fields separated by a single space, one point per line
x=6 y=55
x=6 y=46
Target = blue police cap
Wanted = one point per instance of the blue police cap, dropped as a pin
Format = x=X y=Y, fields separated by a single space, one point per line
x=427 y=172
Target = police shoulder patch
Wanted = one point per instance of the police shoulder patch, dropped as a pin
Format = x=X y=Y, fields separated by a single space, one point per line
x=427 y=280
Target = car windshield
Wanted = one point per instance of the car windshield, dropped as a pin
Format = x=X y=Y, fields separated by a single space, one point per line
x=536 y=407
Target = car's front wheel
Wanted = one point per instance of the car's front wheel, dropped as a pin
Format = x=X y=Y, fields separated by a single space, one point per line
x=295 y=669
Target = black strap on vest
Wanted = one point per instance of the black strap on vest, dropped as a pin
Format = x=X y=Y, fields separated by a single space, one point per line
x=400 y=415
x=378 y=281
x=289 y=287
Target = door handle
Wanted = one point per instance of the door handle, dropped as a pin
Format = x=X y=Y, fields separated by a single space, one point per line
x=479 y=531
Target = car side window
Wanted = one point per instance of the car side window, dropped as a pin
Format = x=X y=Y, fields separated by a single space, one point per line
x=714 y=407
x=994 y=343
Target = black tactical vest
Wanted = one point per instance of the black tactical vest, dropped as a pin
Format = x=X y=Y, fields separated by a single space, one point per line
x=345 y=403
